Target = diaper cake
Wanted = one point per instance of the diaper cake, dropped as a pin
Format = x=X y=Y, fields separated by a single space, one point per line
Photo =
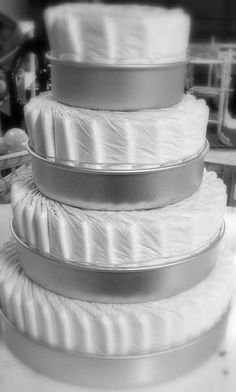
x=116 y=276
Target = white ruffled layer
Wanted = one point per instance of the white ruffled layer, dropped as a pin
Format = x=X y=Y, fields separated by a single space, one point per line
x=90 y=138
x=112 y=329
x=117 y=34
x=110 y=238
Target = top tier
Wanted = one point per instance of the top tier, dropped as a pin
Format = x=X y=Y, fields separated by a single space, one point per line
x=117 y=34
x=116 y=57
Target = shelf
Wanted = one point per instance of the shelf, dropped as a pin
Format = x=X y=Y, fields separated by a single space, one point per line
x=206 y=91
x=205 y=61
x=222 y=156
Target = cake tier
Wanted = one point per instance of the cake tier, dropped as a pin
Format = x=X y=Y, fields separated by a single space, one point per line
x=112 y=329
x=117 y=34
x=109 y=238
x=104 y=139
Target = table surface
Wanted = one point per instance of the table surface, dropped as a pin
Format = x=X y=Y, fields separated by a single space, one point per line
x=218 y=374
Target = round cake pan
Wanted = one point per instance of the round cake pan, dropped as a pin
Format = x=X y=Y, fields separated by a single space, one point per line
x=117 y=87
x=118 y=190
x=117 y=285
x=113 y=372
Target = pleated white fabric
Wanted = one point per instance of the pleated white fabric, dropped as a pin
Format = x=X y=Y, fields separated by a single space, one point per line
x=117 y=33
x=120 y=140
x=112 y=329
x=123 y=238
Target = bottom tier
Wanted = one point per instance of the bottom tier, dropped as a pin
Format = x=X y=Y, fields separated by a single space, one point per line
x=112 y=329
x=111 y=372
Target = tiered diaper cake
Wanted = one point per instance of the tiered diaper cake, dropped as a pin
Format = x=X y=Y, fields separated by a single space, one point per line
x=116 y=277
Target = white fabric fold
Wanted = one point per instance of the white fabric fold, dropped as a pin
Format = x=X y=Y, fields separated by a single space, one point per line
x=123 y=238
x=117 y=33
x=88 y=138
x=112 y=329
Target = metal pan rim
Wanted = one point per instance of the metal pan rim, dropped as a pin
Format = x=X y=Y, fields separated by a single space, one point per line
x=117 y=66
x=120 y=269
x=170 y=167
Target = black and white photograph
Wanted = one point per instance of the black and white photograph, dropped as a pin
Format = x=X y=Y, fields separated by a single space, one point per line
x=117 y=196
